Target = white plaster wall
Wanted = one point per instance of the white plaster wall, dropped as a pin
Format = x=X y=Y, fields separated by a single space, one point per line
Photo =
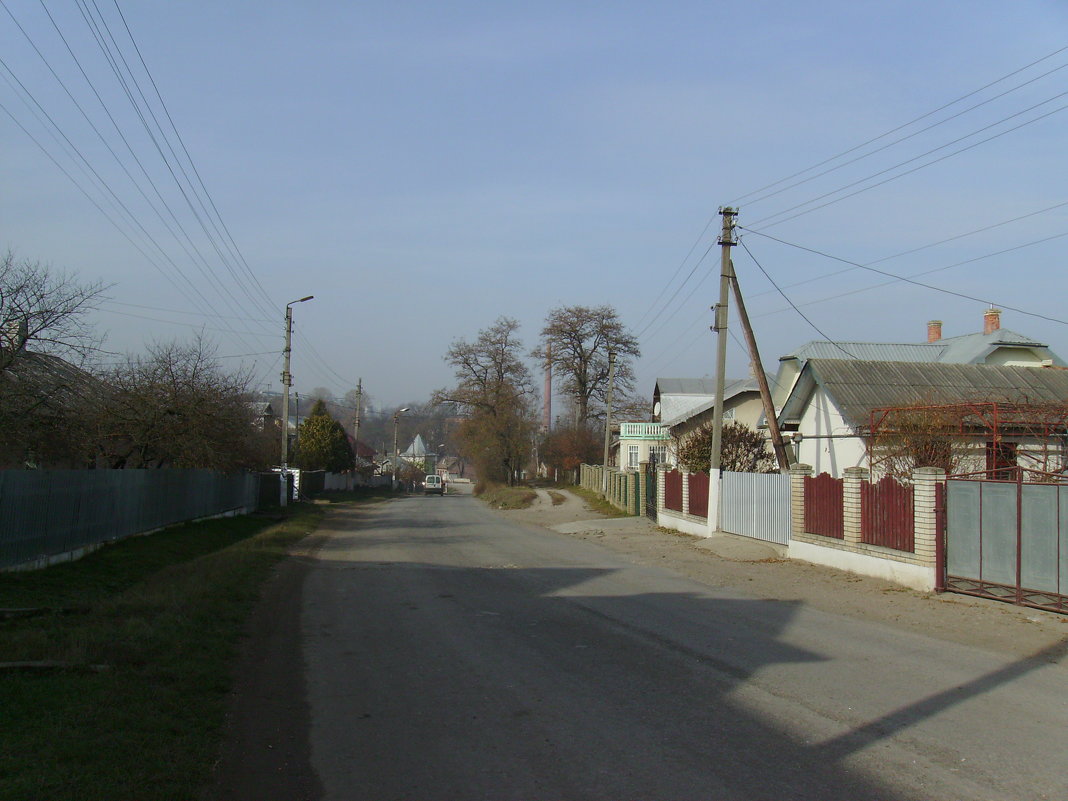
x=903 y=573
x=683 y=524
x=826 y=455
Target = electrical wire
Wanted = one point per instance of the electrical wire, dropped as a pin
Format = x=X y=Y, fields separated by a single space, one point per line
x=800 y=313
x=912 y=281
x=743 y=198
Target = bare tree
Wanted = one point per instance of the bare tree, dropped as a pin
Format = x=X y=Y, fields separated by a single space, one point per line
x=44 y=312
x=46 y=402
x=578 y=339
x=177 y=407
x=496 y=391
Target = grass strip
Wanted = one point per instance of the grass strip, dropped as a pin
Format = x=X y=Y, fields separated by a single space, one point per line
x=499 y=496
x=163 y=615
x=596 y=503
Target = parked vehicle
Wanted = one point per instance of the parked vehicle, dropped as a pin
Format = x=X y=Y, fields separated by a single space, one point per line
x=433 y=485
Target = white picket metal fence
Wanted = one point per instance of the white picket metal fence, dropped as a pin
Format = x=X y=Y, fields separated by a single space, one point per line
x=756 y=505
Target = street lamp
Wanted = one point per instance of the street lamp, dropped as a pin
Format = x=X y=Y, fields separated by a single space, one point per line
x=396 y=418
x=287 y=382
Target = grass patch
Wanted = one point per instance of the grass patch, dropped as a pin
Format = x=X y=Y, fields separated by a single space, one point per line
x=164 y=613
x=557 y=497
x=361 y=494
x=499 y=496
x=596 y=503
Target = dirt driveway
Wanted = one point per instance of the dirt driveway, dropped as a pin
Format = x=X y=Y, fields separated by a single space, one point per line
x=761 y=570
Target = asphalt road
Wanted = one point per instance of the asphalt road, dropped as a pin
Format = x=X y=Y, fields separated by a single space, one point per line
x=428 y=649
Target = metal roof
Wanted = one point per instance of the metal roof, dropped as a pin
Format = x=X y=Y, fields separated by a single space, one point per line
x=686 y=386
x=730 y=390
x=857 y=387
x=965 y=349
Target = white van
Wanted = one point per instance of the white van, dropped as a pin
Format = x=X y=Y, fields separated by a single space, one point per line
x=433 y=485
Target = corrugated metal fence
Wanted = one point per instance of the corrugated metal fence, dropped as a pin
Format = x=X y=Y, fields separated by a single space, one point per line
x=45 y=514
x=757 y=505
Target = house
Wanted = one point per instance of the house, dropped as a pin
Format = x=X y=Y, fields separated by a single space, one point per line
x=990 y=416
x=639 y=442
x=682 y=405
x=994 y=346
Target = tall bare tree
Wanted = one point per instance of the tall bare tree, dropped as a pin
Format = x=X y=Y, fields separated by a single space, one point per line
x=578 y=339
x=44 y=312
x=496 y=391
x=46 y=401
x=177 y=407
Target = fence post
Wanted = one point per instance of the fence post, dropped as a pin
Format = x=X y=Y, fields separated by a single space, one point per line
x=685 y=492
x=643 y=488
x=851 y=515
x=798 y=474
x=925 y=481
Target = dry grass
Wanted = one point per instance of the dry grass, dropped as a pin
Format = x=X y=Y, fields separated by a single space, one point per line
x=162 y=615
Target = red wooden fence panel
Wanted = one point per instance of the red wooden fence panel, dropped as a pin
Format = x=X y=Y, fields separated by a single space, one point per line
x=886 y=514
x=698 y=494
x=823 y=505
x=673 y=490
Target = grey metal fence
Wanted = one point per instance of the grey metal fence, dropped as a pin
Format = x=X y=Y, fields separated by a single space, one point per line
x=756 y=505
x=45 y=514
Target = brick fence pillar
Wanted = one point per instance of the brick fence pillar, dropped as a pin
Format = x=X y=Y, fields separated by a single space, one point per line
x=798 y=473
x=685 y=492
x=643 y=488
x=925 y=481
x=851 y=504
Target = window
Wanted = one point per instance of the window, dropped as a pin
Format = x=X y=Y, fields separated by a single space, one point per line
x=658 y=454
x=633 y=458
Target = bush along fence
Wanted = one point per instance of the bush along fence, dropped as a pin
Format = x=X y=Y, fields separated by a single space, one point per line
x=626 y=489
x=48 y=516
x=882 y=529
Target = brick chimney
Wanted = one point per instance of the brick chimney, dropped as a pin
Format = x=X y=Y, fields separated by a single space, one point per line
x=991 y=320
x=934 y=330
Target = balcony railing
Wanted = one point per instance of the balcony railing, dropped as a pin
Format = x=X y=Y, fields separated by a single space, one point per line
x=651 y=431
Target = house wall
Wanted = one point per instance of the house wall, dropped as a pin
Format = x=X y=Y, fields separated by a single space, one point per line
x=789 y=370
x=1014 y=357
x=645 y=446
x=820 y=427
x=745 y=409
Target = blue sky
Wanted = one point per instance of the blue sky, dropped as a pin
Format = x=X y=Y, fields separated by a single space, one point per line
x=423 y=168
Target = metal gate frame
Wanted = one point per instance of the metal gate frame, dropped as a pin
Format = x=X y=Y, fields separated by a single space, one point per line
x=1015 y=592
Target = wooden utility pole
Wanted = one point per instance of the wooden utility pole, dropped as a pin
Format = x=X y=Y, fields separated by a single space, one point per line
x=726 y=242
x=761 y=377
x=608 y=419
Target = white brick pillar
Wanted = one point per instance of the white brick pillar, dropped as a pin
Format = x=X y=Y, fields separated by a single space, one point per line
x=798 y=473
x=925 y=481
x=851 y=504
x=685 y=492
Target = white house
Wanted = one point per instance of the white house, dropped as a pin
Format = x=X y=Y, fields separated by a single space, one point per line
x=829 y=412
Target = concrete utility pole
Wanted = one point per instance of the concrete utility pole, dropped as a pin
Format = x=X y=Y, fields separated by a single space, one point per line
x=726 y=242
x=762 y=378
x=356 y=424
x=396 y=453
x=608 y=419
x=287 y=382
